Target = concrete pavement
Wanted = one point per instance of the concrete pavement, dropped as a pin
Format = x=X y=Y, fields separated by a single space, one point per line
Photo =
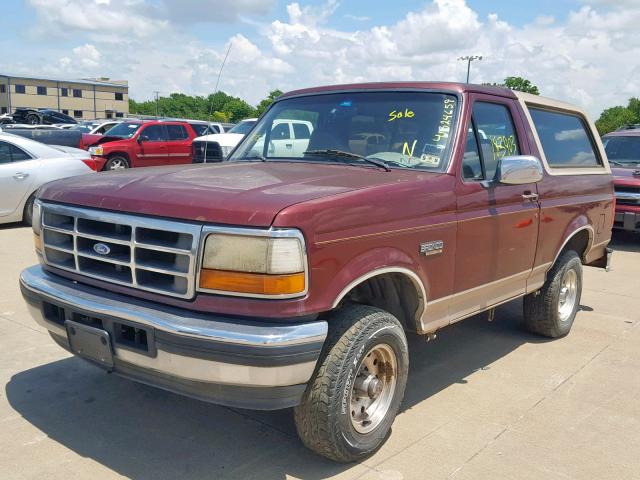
x=484 y=401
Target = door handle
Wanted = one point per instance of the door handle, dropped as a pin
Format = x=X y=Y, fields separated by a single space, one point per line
x=20 y=176
x=288 y=145
x=532 y=197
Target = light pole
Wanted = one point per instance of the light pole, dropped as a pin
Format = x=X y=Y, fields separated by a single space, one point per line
x=469 y=59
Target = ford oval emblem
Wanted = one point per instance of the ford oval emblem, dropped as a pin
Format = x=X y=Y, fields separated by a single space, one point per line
x=101 y=249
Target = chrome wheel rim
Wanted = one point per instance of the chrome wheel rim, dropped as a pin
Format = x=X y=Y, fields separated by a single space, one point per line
x=568 y=294
x=373 y=388
x=117 y=165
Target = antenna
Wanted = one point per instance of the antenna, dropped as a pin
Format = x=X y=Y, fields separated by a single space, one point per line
x=224 y=61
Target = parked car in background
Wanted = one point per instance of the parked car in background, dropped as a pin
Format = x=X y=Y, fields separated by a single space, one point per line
x=287 y=277
x=623 y=151
x=40 y=116
x=47 y=134
x=217 y=146
x=143 y=144
x=25 y=165
x=96 y=127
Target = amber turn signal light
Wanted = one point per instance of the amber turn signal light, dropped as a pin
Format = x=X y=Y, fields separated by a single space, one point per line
x=255 y=283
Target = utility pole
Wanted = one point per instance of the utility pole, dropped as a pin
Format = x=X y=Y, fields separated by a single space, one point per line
x=469 y=59
x=156 y=92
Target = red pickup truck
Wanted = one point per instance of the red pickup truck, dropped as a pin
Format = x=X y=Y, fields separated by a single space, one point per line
x=144 y=143
x=623 y=151
x=291 y=277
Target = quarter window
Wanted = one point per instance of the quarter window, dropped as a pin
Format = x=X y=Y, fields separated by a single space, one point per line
x=10 y=153
x=471 y=163
x=177 y=132
x=564 y=139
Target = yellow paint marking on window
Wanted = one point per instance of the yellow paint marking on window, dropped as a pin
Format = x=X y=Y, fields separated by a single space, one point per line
x=394 y=114
x=409 y=151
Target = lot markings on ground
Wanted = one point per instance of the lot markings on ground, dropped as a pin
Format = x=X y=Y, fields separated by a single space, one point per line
x=484 y=400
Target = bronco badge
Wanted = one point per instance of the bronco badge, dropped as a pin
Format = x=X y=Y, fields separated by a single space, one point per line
x=431 y=248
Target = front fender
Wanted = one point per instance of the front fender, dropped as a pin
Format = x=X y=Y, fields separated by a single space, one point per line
x=374 y=262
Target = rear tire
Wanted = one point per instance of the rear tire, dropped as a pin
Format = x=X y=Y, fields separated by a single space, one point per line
x=551 y=310
x=116 y=162
x=27 y=216
x=32 y=119
x=355 y=392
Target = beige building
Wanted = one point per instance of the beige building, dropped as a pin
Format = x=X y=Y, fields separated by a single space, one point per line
x=82 y=99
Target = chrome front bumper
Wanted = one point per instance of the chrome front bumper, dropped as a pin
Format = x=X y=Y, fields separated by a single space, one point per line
x=237 y=362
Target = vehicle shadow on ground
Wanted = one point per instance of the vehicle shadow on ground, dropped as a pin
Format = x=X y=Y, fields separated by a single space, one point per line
x=625 y=241
x=144 y=433
x=12 y=226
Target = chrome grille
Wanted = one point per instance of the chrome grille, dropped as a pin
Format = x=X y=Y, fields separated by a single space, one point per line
x=145 y=253
x=627 y=195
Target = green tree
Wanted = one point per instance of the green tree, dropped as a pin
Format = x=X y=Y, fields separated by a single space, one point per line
x=615 y=117
x=521 y=84
x=266 y=103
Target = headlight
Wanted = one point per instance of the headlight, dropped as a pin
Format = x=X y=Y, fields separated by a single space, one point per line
x=226 y=150
x=254 y=265
x=36 y=224
x=96 y=150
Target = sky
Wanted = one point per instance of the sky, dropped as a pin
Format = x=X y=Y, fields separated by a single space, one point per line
x=582 y=51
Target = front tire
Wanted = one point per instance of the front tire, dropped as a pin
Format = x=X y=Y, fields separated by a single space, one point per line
x=116 y=162
x=551 y=310
x=354 y=395
x=32 y=119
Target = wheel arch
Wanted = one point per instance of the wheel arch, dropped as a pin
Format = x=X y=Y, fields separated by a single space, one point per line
x=384 y=287
x=579 y=238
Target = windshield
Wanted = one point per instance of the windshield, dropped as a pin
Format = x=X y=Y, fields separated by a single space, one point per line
x=401 y=129
x=123 y=130
x=243 y=127
x=623 y=149
x=84 y=128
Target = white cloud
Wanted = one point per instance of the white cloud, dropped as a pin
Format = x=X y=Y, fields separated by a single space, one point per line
x=589 y=58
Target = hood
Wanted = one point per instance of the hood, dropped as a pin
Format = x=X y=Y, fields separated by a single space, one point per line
x=626 y=176
x=248 y=194
x=107 y=139
x=223 y=139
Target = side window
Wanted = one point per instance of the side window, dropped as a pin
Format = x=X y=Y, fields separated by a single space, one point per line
x=301 y=131
x=471 y=163
x=5 y=153
x=214 y=129
x=154 y=133
x=564 y=139
x=177 y=132
x=496 y=135
x=280 y=132
x=10 y=153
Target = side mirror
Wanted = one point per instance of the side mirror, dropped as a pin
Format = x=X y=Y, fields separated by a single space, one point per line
x=519 y=170
x=143 y=138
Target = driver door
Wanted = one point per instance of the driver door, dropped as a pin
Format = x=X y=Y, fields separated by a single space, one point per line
x=153 y=149
x=497 y=223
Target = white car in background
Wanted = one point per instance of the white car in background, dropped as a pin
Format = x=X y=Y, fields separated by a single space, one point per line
x=25 y=165
x=216 y=147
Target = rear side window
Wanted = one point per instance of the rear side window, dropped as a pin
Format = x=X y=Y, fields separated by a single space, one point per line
x=177 y=132
x=10 y=153
x=301 y=131
x=495 y=134
x=564 y=139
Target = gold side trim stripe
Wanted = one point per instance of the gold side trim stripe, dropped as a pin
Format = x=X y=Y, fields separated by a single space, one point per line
x=388 y=232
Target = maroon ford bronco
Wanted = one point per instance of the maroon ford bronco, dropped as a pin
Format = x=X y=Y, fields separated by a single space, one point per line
x=289 y=277
x=623 y=150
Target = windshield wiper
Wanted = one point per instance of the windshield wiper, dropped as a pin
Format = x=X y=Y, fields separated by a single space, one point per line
x=256 y=156
x=342 y=153
x=617 y=163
